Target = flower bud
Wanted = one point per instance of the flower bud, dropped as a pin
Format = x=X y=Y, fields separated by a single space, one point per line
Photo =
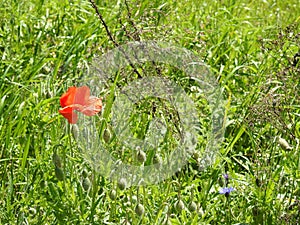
x=43 y=184
x=139 y=209
x=179 y=205
x=56 y=160
x=84 y=173
x=86 y=184
x=106 y=135
x=122 y=184
x=59 y=173
x=141 y=156
x=32 y=211
x=113 y=194
x=75 y=131
x=193 y=206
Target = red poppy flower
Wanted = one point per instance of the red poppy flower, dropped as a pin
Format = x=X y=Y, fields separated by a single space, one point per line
x=79 y=99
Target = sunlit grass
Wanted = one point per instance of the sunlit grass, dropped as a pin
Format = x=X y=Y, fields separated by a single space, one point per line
x=251 y=49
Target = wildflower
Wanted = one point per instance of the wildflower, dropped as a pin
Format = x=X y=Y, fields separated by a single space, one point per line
x=226 y=177
x=79 y=99
x=226 y=191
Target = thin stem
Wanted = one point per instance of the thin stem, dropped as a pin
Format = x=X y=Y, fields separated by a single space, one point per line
x=103 y=23
x=136 y=35
x=228 y=214
x=112 y=39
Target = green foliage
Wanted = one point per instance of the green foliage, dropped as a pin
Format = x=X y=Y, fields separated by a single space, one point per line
x=252 y=48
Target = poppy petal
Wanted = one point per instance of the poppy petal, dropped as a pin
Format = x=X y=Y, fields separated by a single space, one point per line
x=93 y=107
x=79 y=99
x=69 y=114
x=68 y=98
x=82 y=95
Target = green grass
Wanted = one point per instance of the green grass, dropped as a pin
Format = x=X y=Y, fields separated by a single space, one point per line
x=251 y=48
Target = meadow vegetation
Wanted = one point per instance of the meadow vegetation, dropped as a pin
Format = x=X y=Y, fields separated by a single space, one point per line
x=252 y=49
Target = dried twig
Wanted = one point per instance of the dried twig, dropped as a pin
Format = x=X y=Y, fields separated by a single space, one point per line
x=112 y=39
x=103 y=23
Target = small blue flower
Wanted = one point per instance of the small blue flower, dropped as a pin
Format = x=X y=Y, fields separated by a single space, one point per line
x=226 y=191
x=226 y=176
